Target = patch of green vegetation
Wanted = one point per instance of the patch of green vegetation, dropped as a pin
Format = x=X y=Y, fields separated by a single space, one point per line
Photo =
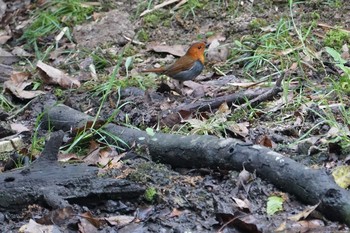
x=94 y=129
x=214 y=125
x=143 y=35
x=101 y=57
x=38 y=142
x=150 y=194
x=191 y=6
x=130 y=50
x=142 y=172
x=344 y=82
x=142 y=82
x=336 y=38
x=156 y=18
x=275 y=48
x=5 y=103
x=263 y=49
x=53 y=16
x=334 y=3
x=59 y=92
x=258 y=23
x=336 y=117
x=101 y=60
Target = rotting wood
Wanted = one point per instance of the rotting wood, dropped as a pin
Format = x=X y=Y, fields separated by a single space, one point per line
x=47 y=182
x=311 y=186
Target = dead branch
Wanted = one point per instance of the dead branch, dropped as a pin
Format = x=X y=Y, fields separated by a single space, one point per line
x=309 y=185
x=47 y=182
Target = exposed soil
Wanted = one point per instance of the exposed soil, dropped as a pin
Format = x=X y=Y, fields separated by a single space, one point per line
x=198 y=200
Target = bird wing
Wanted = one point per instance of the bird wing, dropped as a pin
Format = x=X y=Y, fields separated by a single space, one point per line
x=155 y=70
x=184 y=63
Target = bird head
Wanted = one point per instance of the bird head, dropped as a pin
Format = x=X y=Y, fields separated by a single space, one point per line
x=196 y=51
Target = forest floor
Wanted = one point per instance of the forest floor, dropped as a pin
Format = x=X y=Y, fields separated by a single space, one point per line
x=91 y=59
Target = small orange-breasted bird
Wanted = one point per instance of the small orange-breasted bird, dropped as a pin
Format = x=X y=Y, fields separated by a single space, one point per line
x=187 y=67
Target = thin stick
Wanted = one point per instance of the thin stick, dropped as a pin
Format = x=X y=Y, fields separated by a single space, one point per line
x=158 y=7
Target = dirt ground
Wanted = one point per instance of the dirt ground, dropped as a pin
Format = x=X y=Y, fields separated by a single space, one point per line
x=186 y=200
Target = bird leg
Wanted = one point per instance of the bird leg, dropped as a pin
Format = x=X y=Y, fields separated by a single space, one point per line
x=178 y=87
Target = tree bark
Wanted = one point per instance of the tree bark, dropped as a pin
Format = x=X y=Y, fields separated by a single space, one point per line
x=47 y=182
x=311 y=186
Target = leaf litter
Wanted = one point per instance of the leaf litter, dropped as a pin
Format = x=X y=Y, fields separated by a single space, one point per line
x=206 y=202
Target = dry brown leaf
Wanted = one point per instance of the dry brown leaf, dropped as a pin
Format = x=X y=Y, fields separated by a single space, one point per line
x=307 y=226
x=266 y=141
x=67 y=157
x=242 y=204
x=51 y=75
x=197 y=89
x=94 y=221
x=175 y=213
x=244 y=177
x=224 y=109
x=20 y=52
x=93 y=157
x=240 y=129
x=217 y=53
x=57 y=216
x=303 y=214
x=4 y=39
x=17 y=83
x=120 y=220
x=19 y=128
x=33 y=227
x=177 y=50
x=269 y=28
x=282 y=227
x=217 y=37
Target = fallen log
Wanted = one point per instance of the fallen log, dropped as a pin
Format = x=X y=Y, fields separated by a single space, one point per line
x=49 y=183
x=311 y=186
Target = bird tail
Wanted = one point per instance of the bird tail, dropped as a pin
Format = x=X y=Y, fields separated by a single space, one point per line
x=155 y=70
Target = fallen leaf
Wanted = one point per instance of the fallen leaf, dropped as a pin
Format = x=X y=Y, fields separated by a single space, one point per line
x=224 y=109
x=67 y=157
x=4 y=39
x=217 y=53
x=93 y=220
x=51 y=75
x=144 y=212
x=93 y=157
x=33 y=227
x=269 y=28
x=341 y=175
x=120 y=220
x=217 y=37
x=303 y=214
x=307 y=226
x=7 y=58
x=175 y=213
x=266 y=141
x=20 y=52
x=19 y=128
x=274 y=204
x=177 y=50
x=198 y=90
x=18 y=83
x=240 y=129
x=244 y=205
x=57 y=216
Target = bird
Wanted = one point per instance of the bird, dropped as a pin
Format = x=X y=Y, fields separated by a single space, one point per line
x=186 y=67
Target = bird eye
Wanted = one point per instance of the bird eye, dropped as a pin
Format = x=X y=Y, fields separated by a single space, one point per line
x=199 y=47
